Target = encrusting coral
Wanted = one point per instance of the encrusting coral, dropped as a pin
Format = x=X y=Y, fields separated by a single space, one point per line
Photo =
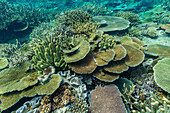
x=106 y=99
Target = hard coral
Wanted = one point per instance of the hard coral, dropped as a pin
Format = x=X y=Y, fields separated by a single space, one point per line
x=18 y=78
x=106 y=99
x=48 y=54
x=132 y=17
x=112 y=23
x=74 y=16
x=22 y=16
x=3 y=63
x=78 y=106
x=9 y=99
x=161 y=74
x=156 y=50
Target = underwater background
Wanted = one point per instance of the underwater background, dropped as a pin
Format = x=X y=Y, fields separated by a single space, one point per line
x=84 y=56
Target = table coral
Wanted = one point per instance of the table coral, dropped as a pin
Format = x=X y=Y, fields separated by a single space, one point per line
x=3 y=63
x=9 y=99
x=78 y=54
x=112 y=23
x=156 y=50
x=17 y=79
x=132 y=17
x=85 y=66
x=161 y=74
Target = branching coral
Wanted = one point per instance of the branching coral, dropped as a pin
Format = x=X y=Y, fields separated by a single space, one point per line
x=48 y=54
x=74 y=16
x=21 y=16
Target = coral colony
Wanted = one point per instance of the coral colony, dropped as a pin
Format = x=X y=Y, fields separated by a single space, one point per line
x=86 y=56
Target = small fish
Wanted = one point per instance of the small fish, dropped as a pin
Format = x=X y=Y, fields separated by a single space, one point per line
x=0 y=102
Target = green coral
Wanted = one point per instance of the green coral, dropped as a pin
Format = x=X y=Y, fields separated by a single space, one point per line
x=48 y=54
x=161 y=74
x=3 y=63
x=158 y=50
x=16 y=78
x=132 y=17
x=9 y=99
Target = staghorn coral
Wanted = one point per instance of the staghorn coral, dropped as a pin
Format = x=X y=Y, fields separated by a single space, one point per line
x=13 y=54
x=112 y=23
x=107 y=42
x=135 y=32
x=161 y=74
x=110 y=98
x=9 y=99
x=78 y=106
x=132 y=17
x=156 y=105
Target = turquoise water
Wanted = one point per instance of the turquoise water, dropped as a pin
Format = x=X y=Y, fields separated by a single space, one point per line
x=84 y=56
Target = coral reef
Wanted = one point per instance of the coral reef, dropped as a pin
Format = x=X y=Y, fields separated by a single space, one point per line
x=106 y=99
x=112 y=23
x=78 y=106
x=30 y=106
x=17 y=79
x=151 y=32
x=75 y=81
x=3 y=63
x=63 y=96
x=161 y=74
x=73 y=16
x=22 y=16
x=48 y=54
x=156 y=50
x=132 y=17
x=9 y=99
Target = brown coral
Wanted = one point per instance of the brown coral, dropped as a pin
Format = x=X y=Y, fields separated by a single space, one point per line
x=105 y=76
x=103 y=57
x=85 y=66
x=106 y=100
